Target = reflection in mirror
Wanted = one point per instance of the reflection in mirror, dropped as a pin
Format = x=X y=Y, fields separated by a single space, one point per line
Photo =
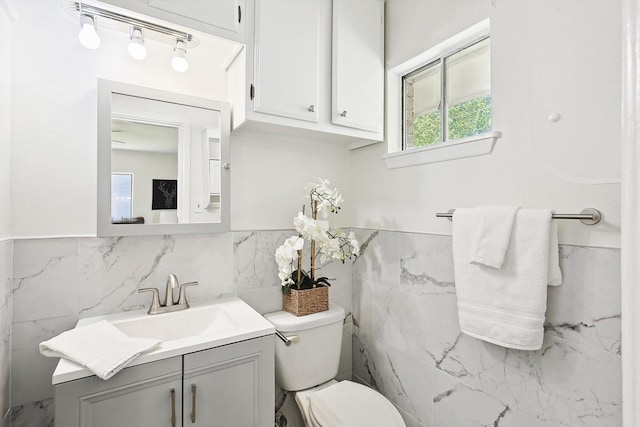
x=140 y=154
x=160 y=162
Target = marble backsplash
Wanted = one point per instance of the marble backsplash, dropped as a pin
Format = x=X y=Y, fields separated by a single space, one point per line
x=6 y=255
x=406 y=341
x=408 y=345
x=58 y=281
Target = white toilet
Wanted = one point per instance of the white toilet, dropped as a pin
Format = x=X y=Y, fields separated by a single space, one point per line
x=308 y=367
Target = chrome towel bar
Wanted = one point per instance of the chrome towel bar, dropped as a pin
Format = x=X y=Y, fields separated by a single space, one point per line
x=588 y=216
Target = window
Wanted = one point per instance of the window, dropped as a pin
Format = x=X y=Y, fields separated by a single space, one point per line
x=439 y=105
x=121 y=196
x=448 y=97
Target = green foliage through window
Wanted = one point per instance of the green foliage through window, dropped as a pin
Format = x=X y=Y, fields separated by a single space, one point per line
x=426 y=129
x=470 y=118
x=466 y=119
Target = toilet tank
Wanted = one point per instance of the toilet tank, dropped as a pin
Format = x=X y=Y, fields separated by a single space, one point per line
x=314 y=359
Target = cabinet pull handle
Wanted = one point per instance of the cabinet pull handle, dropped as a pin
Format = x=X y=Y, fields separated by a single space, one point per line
x=239 y=14
x=312 y=108
x=173 y=407
x=344 y=113
x=193 y=403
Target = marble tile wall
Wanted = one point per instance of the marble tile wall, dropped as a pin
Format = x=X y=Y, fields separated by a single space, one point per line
x=6 y=254
x=408 y=345
x=58 y=281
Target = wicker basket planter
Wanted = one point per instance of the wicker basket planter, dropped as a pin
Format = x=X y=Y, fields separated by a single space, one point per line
x=306 y=301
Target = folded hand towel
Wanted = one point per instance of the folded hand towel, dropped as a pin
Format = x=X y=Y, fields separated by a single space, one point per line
x=506 y=306
x=100 y=346
x=493 y=234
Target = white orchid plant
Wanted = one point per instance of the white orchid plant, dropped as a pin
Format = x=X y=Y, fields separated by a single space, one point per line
x=327 y=243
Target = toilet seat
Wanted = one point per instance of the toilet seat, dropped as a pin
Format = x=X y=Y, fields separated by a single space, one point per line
x=350 y=404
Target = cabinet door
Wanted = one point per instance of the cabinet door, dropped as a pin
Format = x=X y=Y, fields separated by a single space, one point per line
x=223 y=18
x=221 y=14
x=358 y=68
x=286 y=58
x=231 y=385
x=148 y=395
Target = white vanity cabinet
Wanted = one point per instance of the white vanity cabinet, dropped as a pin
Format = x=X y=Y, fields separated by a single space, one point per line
x=314 y=66
x=222 y=18
x=230 y=385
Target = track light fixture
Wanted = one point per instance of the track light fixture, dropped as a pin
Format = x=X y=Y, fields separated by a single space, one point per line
x=136 y=48
x=137 y=29
x=88 y=35
x=179 y=61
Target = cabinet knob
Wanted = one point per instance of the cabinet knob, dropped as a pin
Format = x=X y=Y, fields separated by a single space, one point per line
x=345 y=113
x=312 y=108
x=227 y=166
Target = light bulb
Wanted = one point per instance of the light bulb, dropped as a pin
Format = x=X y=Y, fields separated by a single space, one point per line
x=88 y=36
x=179 y=61
x=136 y=48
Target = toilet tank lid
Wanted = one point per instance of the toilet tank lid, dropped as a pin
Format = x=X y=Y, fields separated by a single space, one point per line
x=287 y=322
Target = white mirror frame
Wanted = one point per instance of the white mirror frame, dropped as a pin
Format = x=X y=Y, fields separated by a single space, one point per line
x=106 y=89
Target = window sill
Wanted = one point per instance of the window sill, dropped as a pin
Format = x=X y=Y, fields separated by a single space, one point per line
x=478 y=145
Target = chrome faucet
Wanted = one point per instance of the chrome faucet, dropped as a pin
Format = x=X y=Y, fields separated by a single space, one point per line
x=169 y=303
x=172 y=283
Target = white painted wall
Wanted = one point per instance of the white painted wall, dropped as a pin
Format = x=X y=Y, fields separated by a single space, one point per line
x=54 y=133
x=5 y=118
x=268 y=176
x=407 y=199
x=145 y=167
x=54 y=82
x=54 y=130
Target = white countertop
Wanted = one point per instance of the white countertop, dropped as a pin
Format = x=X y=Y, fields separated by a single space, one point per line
x=242 y=323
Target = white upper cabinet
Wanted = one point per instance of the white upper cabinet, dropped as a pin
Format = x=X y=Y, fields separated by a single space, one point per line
x=287 y=64
x=314 y=69
x=222 y=18
x=357 y=60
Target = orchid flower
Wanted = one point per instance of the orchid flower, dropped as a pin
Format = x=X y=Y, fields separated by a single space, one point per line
x=327 y=243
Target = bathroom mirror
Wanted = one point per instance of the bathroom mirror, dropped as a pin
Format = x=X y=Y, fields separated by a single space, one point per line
x=163 y=162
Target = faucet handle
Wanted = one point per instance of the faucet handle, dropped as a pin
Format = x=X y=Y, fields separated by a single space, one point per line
x=155 y=300
x=182 y=299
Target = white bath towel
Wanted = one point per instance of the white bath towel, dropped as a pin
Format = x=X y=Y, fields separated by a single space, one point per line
x=507 y=306
x=491 y=240
x=100 y=347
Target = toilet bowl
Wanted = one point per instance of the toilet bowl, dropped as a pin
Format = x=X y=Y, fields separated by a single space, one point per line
x=308 y=366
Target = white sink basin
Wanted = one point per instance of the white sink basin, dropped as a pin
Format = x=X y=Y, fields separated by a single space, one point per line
x=202 y=326
x=177 y=325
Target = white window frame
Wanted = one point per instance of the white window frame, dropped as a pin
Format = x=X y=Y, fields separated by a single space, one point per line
x=476 y=145
x=130 y=174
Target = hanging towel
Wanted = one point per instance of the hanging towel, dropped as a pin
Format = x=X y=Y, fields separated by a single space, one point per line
x=493 y=234
x=100 y=347
x=555 y=275
x=506 y=306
